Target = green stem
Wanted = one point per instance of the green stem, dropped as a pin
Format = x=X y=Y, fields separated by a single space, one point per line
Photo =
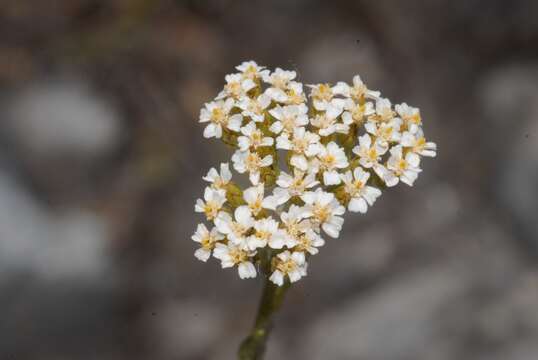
x=253 y=347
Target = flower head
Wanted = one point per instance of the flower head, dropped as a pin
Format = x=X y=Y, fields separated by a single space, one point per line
x=307 y=159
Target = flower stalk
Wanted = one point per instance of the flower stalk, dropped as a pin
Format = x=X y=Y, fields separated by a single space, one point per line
x=253 y=347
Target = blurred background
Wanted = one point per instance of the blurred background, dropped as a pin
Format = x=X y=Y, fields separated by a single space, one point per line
x=101 y=159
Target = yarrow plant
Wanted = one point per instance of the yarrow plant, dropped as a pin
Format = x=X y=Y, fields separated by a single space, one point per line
x=308 y=159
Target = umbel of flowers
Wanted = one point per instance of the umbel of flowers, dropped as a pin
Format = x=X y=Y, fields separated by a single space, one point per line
x=308 y=159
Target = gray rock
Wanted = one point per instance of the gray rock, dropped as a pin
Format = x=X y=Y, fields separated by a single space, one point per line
x=62 y=116
x=71 y=244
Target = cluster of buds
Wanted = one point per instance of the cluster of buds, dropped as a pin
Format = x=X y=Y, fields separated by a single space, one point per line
x=337 y=152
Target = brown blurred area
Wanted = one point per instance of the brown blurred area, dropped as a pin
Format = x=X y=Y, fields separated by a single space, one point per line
x=101 y=159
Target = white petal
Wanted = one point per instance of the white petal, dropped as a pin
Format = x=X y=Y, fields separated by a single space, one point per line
x=243 y=215
x=299 y=161
x=202 y=254
x=254 y=177
x=246 y=270
x=277 y=278
x=331 y=178
x=225 y=172
x=357 y=205
x=331 y=230
x=234 y=123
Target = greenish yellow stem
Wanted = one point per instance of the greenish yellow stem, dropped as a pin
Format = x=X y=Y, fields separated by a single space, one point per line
x=253 y=347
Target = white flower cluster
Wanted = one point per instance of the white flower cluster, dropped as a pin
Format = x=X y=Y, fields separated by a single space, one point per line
x=337 y=153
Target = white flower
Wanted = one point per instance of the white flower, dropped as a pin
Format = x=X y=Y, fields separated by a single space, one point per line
x=357 y=92
x=369 y=154
x=252 y=162
x=295 y=94
x=289 y=118
x=236 y=229
x=294 y=223
x=385 y=132
x=325 y=210
x=280 y=81
x=219 y=181
x=252 y=138
x=254 y=197
x=251 y=70
x=327 y=122
x=361 y=194
x=330 y=159
x=302 y=143
x=399 y=167
x=236 y=86
x=231 y=255
x=295 y=185
x=207 y=240
x=266 y=233
x=410 y=115
x=321 y=95
x=254 y=108
x=214 y=199
x=279 y=78
x=383 y=111
x=288 y=264
x=356 y=113
x=309 y=242
x=418 y=143
x=217 y=113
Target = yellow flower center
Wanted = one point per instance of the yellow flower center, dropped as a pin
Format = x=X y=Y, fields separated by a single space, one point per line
x=420 y=144
x=287 y=266
x=238 y=256
x=328 y=161
x=218 y=116
x=256 y=206
x=304 y=243
x=288 y=123
x=300 y=144
x=250 y=72
x=234 y=89
x=372 y=154
x=264 y=235
x=401 y=165
x=207 y=243
x=252 y=162
x=294 y=97
x=280 y=82
x=323 y=92
x=219 y=183
x=355 y=187
x=238 y=229
x=256 y=138
x=211 y=210
x=358 y=114
x=321 y=213
x=358 y=92
x=293 y=228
